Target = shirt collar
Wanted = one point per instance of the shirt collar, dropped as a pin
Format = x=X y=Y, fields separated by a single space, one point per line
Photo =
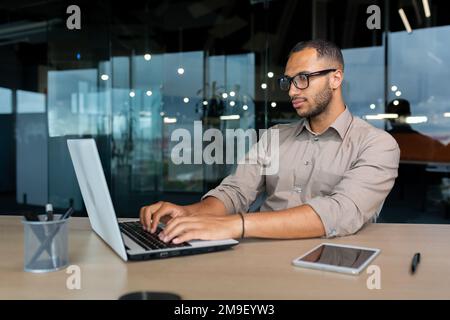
x=340 y=124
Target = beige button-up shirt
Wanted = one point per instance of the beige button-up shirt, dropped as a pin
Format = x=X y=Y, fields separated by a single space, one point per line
x=344 y=174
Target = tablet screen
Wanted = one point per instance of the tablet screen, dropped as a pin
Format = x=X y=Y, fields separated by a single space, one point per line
x=339 y=256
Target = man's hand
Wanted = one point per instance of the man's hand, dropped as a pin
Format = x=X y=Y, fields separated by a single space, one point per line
x=205 y=227
x=152 y=214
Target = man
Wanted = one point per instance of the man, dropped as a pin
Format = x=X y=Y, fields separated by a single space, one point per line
x=334 y=173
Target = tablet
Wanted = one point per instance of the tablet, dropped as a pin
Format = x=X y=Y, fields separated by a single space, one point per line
x=337 y=258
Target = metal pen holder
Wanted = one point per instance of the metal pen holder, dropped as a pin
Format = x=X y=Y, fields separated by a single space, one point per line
x=45 y=244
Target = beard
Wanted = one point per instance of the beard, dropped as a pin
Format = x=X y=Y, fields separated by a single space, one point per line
x=322 y=100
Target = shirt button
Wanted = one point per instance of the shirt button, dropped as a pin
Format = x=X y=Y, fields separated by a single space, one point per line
x=316 y=138
x=306 y=162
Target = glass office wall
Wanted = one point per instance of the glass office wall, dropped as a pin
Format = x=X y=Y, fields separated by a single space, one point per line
x=135 y=77
x=7 y=141
x=363 y=86
x=418 y=94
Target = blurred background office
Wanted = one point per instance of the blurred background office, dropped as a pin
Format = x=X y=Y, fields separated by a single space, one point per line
x=137 y=70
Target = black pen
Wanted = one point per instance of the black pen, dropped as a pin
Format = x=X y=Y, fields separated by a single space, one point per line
x=31 y=216
x=67 y=214
x=415 y=262
x=49 y=211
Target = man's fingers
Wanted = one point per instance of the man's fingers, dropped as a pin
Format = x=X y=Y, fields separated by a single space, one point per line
x=146 y=214
x=141 y=215
x=151 y=215
x=174 y=222
x=147 y=217
x=180 y=229
x=162 y=211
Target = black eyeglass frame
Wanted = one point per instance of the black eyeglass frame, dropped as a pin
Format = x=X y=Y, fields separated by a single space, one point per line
x=307 y=75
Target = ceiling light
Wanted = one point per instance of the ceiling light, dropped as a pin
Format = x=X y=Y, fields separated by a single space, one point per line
x=404 y=20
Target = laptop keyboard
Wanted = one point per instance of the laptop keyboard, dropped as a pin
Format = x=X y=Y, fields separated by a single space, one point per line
x=145 y=239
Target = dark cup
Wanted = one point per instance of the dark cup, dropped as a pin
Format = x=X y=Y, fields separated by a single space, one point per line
x=149 y=295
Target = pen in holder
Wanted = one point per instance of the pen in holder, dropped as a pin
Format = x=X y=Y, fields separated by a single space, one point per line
x=45 y=244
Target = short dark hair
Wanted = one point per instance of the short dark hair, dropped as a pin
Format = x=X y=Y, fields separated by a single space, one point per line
x=400 y=107
x=325 y=49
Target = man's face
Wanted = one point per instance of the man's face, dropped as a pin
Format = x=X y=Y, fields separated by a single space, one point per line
x=314 y=100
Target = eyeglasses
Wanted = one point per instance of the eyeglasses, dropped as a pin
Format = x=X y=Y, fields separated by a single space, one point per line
x=301 y=80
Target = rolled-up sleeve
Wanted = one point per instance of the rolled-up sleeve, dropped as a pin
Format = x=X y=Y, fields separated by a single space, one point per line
x=363 y=188
x=240 y=189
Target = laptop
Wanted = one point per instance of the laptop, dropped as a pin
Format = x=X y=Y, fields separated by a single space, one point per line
x=127 y=238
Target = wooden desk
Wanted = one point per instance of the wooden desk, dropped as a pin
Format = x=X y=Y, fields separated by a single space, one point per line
x=255 y=269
